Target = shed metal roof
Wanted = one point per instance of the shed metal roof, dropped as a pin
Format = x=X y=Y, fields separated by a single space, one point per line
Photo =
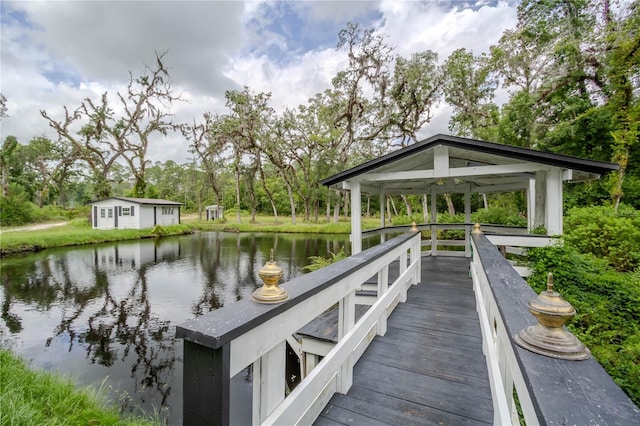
x=155 y=201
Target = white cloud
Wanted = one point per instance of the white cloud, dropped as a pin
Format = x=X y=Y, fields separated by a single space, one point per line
x=71 y=50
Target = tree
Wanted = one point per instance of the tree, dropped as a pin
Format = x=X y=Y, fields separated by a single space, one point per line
x=110 y=132
x=3 y=106
x=208 y=141
x=469 y=88
x=415 y=91
x=245 y=127
x=8 y=146
x=622 y=71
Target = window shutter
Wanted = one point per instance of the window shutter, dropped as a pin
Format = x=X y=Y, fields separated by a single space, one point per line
x=132 y=207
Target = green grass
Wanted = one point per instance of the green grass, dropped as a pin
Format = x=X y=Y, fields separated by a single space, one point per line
x=30 y=397
x=75 y=234
x=78 y=232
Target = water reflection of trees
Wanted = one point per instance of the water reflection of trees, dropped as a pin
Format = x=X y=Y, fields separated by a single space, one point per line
x=110 y=328
x=115 y=324
x=119 y=325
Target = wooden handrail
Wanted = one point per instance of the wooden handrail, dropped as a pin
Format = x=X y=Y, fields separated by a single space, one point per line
x=221 y=343
x=550 y=391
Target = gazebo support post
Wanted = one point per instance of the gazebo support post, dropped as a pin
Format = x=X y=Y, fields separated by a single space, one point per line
x=356 y=218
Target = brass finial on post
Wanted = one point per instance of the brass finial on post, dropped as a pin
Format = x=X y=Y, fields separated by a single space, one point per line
x=414 y=226
x=270 y=292
x=476 y=229
x=550 y=337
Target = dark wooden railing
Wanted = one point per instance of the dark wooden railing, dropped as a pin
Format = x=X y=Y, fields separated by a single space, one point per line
x=550 y=391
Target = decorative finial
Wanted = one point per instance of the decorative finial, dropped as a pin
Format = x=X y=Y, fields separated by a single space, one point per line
x=550 y=337
x=476 y=229
x=414 y=226
x=270 y=292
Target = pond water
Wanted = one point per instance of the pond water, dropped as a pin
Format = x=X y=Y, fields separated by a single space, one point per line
x=105 y=314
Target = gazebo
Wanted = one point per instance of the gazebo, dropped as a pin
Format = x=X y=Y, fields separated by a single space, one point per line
x=450 y=164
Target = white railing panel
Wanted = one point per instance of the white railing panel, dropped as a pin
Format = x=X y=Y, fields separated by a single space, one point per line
x=296 y=405
x=252 y=345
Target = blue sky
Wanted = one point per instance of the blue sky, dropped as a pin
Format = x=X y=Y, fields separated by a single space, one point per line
x=55 y=54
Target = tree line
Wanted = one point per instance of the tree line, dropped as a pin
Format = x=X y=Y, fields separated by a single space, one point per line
x=570 y=69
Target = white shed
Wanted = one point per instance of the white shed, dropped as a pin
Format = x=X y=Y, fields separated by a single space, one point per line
x=214 y=212
x=133 y=213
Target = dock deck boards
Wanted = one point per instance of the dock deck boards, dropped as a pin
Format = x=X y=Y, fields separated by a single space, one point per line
x=429 y=367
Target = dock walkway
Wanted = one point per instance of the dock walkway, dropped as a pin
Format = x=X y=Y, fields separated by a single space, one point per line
x=429 y=367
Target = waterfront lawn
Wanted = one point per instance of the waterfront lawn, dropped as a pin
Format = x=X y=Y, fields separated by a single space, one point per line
x=35 y=398
x=78 y=232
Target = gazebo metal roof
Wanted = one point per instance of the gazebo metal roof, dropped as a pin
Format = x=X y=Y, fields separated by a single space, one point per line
x=487 y=166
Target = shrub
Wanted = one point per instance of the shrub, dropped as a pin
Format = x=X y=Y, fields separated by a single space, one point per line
x=318 y=262
x=607 y=304
x=498 y=216
x=407 y=220
x=16 y=210
x=599 y=230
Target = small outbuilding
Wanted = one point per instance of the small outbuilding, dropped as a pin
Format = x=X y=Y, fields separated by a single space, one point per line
x=214 y=212
x=133 y=213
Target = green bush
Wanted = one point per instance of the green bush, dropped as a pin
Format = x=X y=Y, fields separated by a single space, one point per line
x=599 y=230
x=407 y=220
x=16 y=210
x=498 y=216
x=318 y=262
x=161 y=231
x=607 y=304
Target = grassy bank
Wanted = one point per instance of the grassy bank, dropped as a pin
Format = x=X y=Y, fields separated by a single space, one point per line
x=78 y=232
x=30 y=397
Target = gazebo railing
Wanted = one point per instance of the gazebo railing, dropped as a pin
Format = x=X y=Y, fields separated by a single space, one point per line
x=515 y=239
x=549 y=390
x=220 y=344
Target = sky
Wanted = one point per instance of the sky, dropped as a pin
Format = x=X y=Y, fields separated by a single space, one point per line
x=56 y=53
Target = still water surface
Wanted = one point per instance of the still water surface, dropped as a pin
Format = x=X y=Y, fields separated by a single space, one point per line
x=106 y=314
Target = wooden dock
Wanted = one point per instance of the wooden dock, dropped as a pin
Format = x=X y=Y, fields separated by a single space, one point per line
x=429 y=367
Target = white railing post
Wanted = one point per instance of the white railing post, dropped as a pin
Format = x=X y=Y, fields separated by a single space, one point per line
x=402 y=269
x=268 y=382
x=346 y=321
x=416 y=258
x=383 y=286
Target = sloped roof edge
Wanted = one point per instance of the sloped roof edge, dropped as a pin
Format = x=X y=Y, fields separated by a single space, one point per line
x=519 y=153
x=157 y=201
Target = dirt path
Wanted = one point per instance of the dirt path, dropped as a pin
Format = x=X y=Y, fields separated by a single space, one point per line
x=33 y=227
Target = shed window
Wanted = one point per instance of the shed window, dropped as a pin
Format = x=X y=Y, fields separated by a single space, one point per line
x=126 y=211
x=102 y=213
x=110 y=213
x=167 y=210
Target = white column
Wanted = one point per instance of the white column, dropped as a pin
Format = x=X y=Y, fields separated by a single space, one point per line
x=383 y=210
x=467 y=219
x=539 y=213
x=434 y=218
x=531 y=204
x=441 y=161
x=356 y=219
x=553 y=202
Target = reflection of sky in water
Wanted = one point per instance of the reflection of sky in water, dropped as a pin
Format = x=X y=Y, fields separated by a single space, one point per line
x=106 y=314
